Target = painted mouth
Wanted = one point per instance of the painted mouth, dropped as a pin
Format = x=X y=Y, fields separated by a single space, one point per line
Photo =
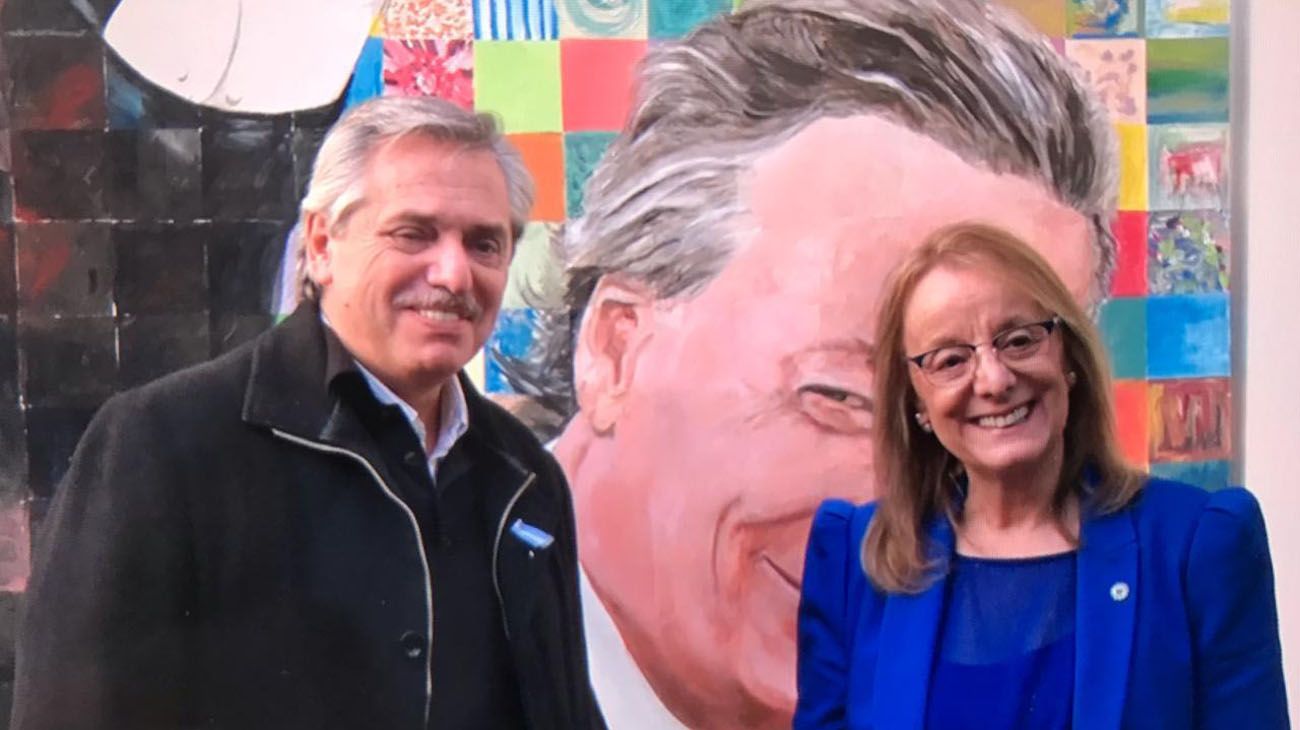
x=1006 y=420
x=784 y=575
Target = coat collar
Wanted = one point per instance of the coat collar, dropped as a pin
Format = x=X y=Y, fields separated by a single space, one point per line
x=1105 y=606
x=295 y=367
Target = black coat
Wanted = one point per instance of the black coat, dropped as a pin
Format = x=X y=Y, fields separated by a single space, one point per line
x=225 y=552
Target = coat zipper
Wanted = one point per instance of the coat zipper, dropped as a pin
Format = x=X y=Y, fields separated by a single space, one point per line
x=419 y=544
x=496 y=549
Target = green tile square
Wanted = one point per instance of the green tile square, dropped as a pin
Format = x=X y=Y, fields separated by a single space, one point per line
x=676 y=18
x=520 y=82
x=582 y=150
x=1123 y=325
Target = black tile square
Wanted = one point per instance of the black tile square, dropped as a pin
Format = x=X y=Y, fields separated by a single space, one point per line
x=64 y=269
x=6 y=195
x=152 y=174
x=60 y=15
x=8 y=271
x=8 y=359
x=321 y=117
x=13 y=455
x=67 y=362
x=58 y=81
x=58 y=175
x=9 y=598
x=52 y=436
x=134 y=102
x=248 y=171
x=153 y=346
x=244 y=261
x=306 y=142
x=232 y=330
x=161 y=268
x=37 y=508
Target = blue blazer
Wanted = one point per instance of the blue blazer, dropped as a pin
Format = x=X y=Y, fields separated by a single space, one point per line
x=1176 y=623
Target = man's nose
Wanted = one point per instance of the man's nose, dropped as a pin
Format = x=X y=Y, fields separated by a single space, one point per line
x=447 y=264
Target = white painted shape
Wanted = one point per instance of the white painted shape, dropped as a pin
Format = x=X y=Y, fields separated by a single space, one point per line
x=251 y=56
x=180 y=45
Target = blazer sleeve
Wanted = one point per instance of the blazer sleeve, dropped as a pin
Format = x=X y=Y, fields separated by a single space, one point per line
x=1234 y=617
x=824 y=650
x=104 y=638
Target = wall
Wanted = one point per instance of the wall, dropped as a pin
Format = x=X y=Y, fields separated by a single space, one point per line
x=1269 y=114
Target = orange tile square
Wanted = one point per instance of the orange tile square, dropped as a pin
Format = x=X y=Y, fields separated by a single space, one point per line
x=543 y=153
x=1132 y=420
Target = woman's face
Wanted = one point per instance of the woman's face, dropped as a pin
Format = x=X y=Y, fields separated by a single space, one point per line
x=1003 y=407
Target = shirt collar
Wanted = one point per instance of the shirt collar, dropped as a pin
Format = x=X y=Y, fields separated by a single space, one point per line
x=453 y=410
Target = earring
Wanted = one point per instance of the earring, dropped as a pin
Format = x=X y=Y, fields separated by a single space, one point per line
x=1071 y=377
x=924 y=423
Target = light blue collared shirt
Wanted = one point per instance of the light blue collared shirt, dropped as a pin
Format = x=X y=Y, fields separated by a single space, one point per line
x=453 y=413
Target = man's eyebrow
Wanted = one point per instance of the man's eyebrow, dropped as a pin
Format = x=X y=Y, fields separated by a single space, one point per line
x=435 y=221
x=844 y=345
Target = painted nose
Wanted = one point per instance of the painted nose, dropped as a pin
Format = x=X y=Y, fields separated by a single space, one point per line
x=448 y=265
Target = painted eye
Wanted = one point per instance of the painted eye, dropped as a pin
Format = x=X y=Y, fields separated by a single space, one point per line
x=836 y=409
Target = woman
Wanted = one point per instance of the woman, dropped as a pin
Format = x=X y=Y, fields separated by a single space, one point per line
x=1015 y=572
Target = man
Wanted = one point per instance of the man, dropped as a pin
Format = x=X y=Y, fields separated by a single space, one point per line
x=328 y=528
x=723 y=282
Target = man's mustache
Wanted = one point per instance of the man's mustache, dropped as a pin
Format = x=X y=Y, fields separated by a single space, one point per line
x=441 y=298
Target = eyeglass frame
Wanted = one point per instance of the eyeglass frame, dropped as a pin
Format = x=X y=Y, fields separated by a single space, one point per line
x=1051 y=325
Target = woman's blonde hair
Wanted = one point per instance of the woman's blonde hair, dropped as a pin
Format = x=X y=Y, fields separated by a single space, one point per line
x=915 y=475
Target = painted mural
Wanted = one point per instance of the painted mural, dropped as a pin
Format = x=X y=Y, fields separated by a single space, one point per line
x=688 y=319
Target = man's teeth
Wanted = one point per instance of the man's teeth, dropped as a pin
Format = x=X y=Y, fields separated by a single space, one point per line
x=1010 y=419
x=438 y=315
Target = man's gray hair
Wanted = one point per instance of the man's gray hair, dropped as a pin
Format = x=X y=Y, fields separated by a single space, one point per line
x=337 y=184
x=663 y=206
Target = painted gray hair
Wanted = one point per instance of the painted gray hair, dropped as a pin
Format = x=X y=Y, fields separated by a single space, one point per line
x=338 y=175
x=663 y=206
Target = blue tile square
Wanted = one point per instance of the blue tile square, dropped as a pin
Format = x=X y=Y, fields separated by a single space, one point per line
x=1209 y=475
x=1189 y=336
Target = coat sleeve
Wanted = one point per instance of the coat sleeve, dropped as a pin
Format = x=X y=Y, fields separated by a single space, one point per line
x=824 y=646
x=103 y=636
x=1233 y=612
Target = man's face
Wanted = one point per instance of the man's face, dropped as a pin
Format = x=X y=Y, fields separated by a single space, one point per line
x=414 y=279
x=746 y=406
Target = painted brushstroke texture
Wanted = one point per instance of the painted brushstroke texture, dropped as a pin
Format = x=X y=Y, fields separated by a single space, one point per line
x=1188 y=166
x=1191 y=420
x=437 y=68
x=516 y=20
x=1188 y=252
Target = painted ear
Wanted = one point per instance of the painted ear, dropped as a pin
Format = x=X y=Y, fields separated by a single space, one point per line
x=316 y=246
x=615 y=328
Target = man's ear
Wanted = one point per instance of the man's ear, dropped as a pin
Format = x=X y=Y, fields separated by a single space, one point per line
x=617 y=324
x=316 y=246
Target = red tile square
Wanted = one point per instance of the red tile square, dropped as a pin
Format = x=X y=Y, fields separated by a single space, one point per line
x=1130 y=231
x=596 y=81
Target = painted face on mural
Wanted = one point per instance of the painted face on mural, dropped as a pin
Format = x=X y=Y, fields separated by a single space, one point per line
x=413 y=281
x=710 y=428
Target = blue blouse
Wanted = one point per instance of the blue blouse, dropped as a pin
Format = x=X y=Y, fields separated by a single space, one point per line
x=1006 y=646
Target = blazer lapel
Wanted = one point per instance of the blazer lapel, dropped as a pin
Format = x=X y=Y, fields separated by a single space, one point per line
x=1105 y=606
x=909 y=634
